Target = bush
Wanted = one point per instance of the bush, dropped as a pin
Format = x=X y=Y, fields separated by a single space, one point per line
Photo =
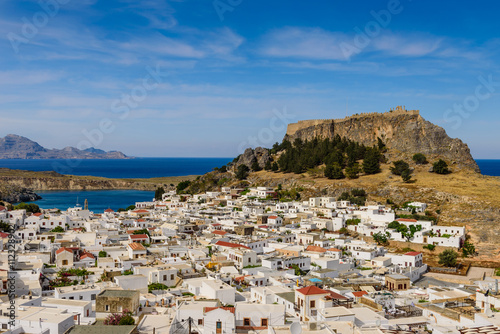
x=430 y=247
x=420 y=159
x=157 y=286
x=57 y=229
x=103 y=254
x=119 y=319
x=441 y=167
x=399 y=167
x=334 y=172
x=448 y=258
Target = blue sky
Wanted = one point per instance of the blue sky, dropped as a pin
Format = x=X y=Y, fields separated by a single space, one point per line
x=231 y=73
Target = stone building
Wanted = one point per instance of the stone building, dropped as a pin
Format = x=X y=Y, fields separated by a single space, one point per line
x=116 y=301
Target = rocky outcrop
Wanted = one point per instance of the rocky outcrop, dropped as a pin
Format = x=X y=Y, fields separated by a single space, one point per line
x=247 y=158
x=17 y=147
x=15 y=194
x=404 y=132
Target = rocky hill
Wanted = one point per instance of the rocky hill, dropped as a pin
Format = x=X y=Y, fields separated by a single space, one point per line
x=404 y=132
x=18 y=147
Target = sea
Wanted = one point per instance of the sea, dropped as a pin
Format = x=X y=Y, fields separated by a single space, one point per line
x=101 y=200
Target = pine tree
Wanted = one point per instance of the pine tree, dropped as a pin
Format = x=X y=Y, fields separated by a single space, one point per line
x=371 y=162
x=334 y=171
x=353 y=171
x=268 y=165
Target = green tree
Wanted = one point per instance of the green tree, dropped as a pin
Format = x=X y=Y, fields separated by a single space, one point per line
x=334 y=172
x=158 y=193
x=57 y=229
x=181 y=186
x=468 y=249
x=406 y=176
x=371 y=162
x=29 y=207
x=381 y=238
x=103 y=253
x=5 y=227
x=223 y=169
x=242 y=172
x=275 y=167
x=268 y=166
x=255 y=165
x=448 y=258
x=352 y=172
x=130 y=207
x=441 y=167
x=381 y=145
x=420 y=159
x=394 y=225
x=399 y=167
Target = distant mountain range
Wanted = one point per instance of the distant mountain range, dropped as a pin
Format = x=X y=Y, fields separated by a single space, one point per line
x=18 y=147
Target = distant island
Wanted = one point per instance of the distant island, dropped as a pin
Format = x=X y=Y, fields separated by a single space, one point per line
x=18 y=147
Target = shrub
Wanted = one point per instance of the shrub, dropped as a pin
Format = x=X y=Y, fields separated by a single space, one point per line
x=420 y=159
x=399 y=167
x=430 y=247
x=441 y=167
x=448 y=258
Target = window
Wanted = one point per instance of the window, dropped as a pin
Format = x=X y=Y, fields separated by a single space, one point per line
x=263 y=322
x=246 y=321
x=172 y=276
x=313 y=303
x=65 y=262
x=72 y=297
x=107 y=308
x=200 y=321
x=92 y=296
x=164 y=277
x=81 y=297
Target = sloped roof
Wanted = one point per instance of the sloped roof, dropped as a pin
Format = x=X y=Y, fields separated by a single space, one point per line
x=312 y=290
x=136 y=246
x=230 y=244
x=63 y=249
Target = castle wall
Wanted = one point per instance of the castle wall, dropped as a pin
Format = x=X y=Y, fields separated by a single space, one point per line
x=294 y=127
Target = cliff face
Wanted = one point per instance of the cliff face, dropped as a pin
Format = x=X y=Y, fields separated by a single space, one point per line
x=403 y=132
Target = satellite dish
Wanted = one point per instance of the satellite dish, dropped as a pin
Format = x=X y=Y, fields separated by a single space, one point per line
x=296 y=328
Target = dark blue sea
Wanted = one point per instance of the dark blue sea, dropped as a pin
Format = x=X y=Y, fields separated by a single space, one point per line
x=114 y=168
x=98 y=200
x=489 y=166
x=120 y=168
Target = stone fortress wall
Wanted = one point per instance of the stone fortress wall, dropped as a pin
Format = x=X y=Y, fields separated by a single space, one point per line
x=399 y=110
